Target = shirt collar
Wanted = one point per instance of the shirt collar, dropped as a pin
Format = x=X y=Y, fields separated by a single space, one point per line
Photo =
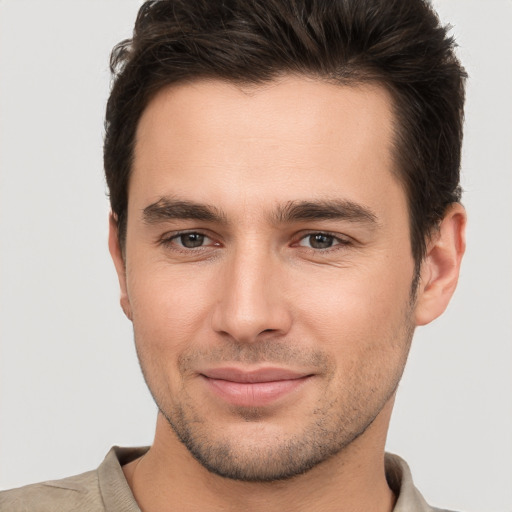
x=117 y=495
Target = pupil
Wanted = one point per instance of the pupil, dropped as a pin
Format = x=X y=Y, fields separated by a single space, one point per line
x=320 y=241
x=191 y=240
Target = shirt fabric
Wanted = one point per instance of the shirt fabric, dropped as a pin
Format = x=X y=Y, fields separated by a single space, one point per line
x=106 y=489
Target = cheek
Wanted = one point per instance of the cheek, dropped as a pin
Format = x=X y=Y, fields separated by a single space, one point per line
x=169 y=308
x=356 y=310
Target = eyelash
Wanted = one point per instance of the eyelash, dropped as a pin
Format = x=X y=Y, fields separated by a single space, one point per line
x=339 y=242
x=167 y=241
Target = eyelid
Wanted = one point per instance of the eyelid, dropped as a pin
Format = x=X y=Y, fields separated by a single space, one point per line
x=342 y=240
x=168 y=238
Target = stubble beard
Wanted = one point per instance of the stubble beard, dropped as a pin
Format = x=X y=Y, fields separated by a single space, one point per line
x=278 y=460
x=335 y=423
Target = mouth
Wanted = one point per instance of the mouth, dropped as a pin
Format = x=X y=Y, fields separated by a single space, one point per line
x=253 y=388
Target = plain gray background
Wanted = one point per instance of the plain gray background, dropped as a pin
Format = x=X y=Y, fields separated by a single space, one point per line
x=70 y=386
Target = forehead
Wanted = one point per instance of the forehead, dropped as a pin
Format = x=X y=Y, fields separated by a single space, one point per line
x=296 y=138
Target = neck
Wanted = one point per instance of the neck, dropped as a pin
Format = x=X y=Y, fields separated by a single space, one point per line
x=169 y=478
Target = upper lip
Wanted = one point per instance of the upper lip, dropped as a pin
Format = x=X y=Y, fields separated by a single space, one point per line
x=252 y=376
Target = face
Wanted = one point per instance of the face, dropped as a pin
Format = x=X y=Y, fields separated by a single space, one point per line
x=268 y=269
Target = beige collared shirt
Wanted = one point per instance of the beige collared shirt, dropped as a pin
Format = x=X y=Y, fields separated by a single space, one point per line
x=106 y=489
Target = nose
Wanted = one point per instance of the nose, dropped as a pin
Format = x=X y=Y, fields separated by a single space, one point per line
x=252 y=302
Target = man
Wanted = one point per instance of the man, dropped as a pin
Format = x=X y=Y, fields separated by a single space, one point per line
x=284 y=184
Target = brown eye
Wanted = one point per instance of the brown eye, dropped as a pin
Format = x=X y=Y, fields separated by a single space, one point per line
x=319 y=241
x=191 y=240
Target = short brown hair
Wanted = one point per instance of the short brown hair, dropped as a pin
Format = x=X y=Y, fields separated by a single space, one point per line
x=397 y=43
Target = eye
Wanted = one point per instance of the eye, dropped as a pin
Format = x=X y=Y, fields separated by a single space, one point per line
x=190 y=240
x=320 y=241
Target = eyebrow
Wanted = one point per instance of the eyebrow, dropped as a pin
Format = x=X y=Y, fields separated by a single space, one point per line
x=168 y=208
x=337 y=209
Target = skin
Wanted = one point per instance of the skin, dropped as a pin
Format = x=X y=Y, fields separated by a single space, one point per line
x=269 y=286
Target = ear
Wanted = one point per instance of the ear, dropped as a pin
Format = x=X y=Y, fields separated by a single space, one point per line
x=119 y=263
x=441 y=266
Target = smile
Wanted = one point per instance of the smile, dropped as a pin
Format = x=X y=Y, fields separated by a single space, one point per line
x=253 y=388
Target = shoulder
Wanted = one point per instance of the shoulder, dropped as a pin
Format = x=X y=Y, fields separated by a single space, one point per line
x=80 y=492
x=399 y=478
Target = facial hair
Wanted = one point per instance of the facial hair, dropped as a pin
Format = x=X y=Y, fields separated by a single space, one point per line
x=342 y=415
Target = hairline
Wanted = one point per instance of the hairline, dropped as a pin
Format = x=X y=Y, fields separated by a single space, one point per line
x=359 y=77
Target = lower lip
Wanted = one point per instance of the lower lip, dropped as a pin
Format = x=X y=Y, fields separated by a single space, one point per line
x=253 y=394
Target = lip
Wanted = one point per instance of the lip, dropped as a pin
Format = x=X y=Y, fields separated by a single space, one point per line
x=253 y=388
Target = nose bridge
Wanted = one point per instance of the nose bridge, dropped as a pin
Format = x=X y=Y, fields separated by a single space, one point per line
x=251 y=294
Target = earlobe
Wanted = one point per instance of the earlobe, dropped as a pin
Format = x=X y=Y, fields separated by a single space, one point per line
x=119 y=263
x=441 y=266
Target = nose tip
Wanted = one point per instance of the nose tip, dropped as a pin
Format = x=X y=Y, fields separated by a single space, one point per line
x=247 y=328
x=251 y=304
